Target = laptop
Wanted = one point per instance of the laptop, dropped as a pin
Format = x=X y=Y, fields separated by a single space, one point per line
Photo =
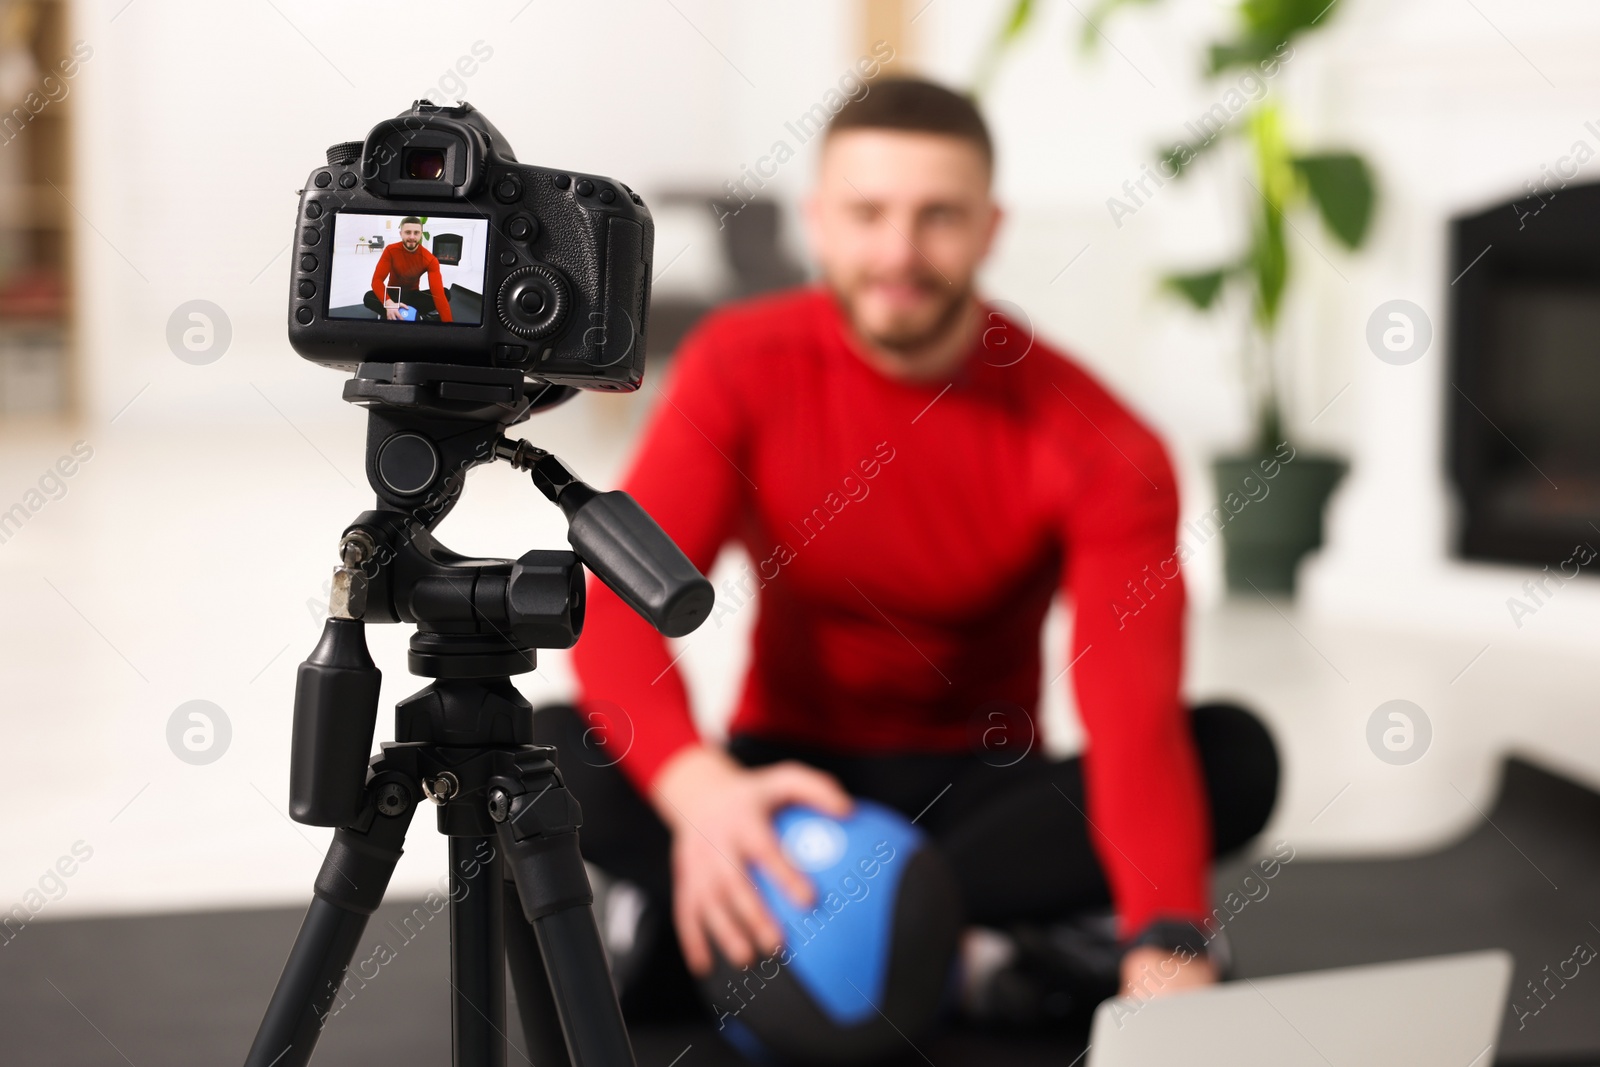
x=1443 y=1011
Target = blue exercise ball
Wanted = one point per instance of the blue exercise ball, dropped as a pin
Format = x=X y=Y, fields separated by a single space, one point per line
x=863 y=969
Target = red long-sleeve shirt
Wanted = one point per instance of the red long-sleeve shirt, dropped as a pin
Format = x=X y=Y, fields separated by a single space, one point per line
x=396 y=266
x=906 y=541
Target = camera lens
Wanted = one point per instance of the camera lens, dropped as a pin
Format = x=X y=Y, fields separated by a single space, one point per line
x=425 y=164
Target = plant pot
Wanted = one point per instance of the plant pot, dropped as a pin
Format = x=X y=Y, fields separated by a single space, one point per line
x=1270 y=511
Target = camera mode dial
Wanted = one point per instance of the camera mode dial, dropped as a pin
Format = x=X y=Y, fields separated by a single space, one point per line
x=534 y=301
x=344 y=153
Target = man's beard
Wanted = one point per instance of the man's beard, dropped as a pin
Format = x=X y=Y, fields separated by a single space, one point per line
x=911 y=335
x=411 y=246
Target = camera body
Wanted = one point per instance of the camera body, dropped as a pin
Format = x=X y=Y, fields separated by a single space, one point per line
x=429 y=242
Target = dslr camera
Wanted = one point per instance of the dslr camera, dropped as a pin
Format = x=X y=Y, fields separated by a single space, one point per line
x=429 y=243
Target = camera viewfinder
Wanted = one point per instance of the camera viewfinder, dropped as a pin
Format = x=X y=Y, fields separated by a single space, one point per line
x=424 y=164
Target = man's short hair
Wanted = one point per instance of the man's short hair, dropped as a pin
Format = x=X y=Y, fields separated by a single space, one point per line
x=410 y=219
x=916 y=106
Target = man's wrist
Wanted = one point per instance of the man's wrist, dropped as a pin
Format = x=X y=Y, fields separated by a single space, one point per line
x=688 y=767
x=1172 y=935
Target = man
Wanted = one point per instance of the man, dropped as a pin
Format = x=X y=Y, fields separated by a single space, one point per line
x=914 y=478
x=403 y=266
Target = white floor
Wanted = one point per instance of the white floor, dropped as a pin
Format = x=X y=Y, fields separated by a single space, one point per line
x=186 y=564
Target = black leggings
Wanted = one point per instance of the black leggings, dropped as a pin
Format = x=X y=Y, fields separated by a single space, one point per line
x=420 y=299
x=1020 y=851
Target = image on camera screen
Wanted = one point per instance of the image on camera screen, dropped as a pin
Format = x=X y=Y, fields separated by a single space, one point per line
x=408 y=268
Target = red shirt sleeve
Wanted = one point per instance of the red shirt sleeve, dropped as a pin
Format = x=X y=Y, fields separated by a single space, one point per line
x=686 y=474
x=380 y=273
x=441 y=302
x=1146 y=804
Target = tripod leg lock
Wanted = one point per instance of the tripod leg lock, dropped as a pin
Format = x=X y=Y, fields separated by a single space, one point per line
x=537 y=820
x=362 y=858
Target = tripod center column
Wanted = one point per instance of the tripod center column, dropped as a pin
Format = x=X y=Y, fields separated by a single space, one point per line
x=477 y=951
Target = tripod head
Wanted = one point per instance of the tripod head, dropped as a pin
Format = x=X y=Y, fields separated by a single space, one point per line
x=427 y=425
x=478 y=620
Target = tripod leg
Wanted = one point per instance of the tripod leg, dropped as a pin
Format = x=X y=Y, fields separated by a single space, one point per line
x=580 y=981
x=348 y=889
x=477 y=954
x=537 y=822
x=536 y=1004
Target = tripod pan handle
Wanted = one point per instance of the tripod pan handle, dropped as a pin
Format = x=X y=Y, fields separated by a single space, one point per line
x=620 y=542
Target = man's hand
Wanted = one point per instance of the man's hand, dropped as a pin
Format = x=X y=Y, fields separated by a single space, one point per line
x=720 y=814
x=1148 y=971
x=392 y=310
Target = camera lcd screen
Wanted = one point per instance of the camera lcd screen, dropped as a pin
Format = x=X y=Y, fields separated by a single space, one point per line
x=408 y=269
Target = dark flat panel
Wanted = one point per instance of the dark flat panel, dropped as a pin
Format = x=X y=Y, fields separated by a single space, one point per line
x=1523 y=390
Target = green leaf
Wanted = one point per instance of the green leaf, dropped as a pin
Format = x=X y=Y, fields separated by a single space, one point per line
x=1285 y=18
x=1247 y=51
x=1341 y=185
x=1176 y=161
x=1021 y=14
x=1268 y=25
x=1199 y=289
x=1015 y=24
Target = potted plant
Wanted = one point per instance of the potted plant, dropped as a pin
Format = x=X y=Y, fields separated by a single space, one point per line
x=1265 y=538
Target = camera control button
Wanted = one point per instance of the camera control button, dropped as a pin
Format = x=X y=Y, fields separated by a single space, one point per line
x=323 y=179
x=508 y=258
x=508 y=190
x=563 y=181
x=310 y=235
x=304 y=316
x=585 y=187
x=606 y=196
x=531 y=301
x=510 y=353
x=313 y=210
x=534 y=301
x=308 y=262
x=347 y=179
x=522 y=228
x=307 y=288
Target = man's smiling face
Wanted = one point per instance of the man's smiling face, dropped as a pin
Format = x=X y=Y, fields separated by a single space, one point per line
x=411 y=235
x=899 y=223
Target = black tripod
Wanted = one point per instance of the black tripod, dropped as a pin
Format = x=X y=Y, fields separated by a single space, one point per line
x=465 y=740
